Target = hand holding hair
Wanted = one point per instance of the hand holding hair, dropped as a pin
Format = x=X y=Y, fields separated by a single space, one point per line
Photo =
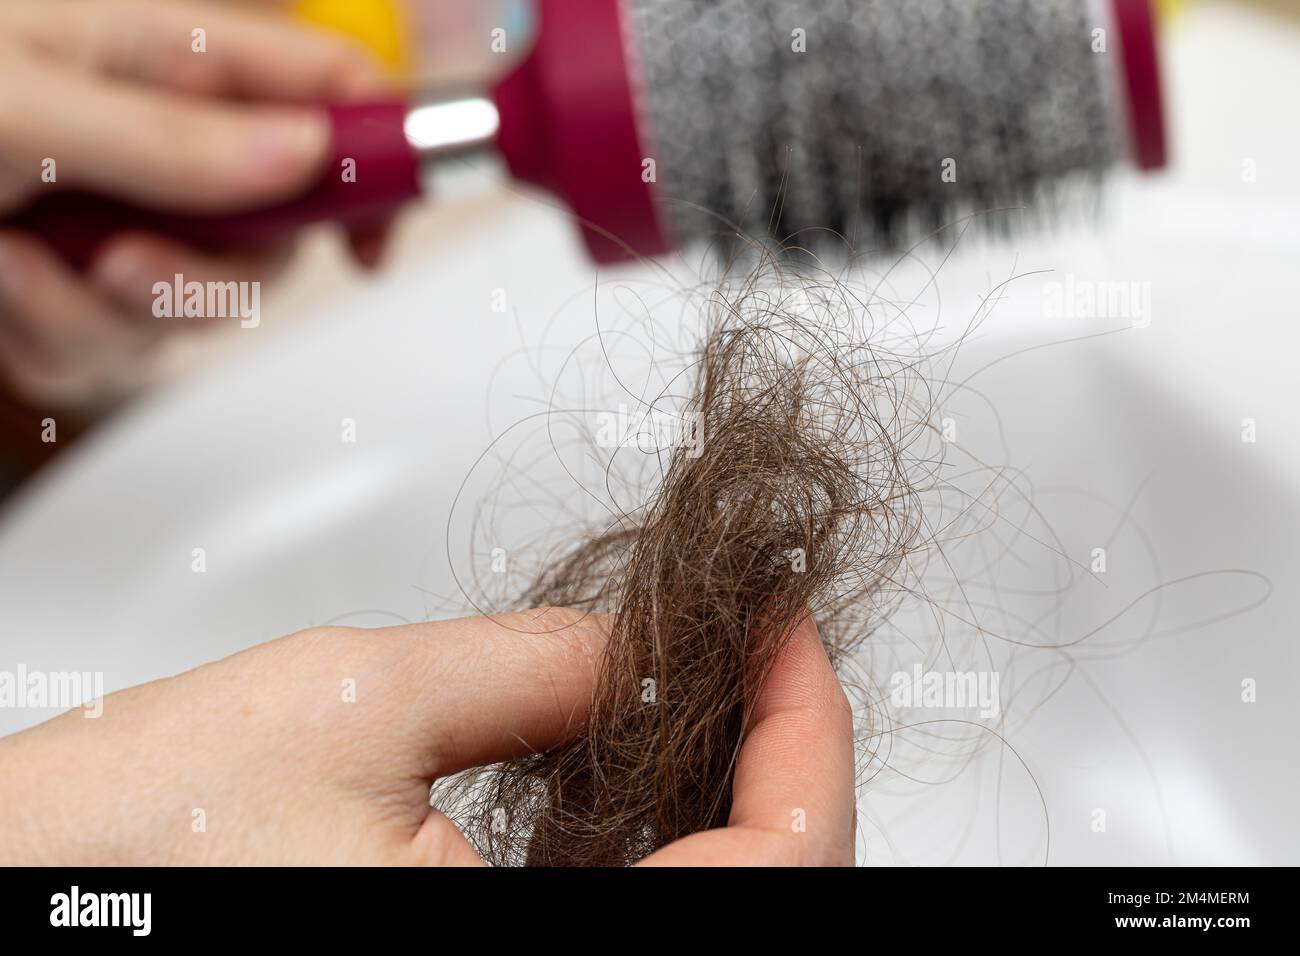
x=320 y=748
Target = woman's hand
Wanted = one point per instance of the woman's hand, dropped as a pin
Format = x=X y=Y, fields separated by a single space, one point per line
x=114 y=93
x=320 y=748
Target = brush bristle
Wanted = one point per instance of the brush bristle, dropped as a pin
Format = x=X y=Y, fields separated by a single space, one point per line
x=898 y=116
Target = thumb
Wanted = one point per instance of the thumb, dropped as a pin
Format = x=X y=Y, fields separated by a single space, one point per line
x=449 y=695
x=161 y=148
x=522 y=683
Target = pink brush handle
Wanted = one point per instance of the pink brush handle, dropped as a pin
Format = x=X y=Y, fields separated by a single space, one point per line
x=387 y=175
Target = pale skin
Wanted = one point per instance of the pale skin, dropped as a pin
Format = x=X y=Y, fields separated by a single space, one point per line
x=286 y=770
x=115 y=94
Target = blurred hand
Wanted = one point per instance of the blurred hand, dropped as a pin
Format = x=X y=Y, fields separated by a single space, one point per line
x=266 y=748
x=113 y=92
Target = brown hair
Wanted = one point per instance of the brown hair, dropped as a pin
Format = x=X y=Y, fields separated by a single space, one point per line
x=794 y=496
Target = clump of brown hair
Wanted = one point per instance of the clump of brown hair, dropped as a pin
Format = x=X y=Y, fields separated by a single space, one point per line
x=794 y=495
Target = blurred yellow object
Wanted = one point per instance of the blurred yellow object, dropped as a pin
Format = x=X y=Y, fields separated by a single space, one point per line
x=379 y=24
x=1168 y=9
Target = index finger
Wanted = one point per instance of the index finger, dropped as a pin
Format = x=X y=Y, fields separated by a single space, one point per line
x=793 y=791
x=244 y=53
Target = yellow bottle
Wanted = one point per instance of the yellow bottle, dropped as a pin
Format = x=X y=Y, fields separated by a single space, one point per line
x=379 y=24
x=431 y=42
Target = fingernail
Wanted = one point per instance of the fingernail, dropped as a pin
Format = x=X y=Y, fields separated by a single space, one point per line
x=367 y=79
x=11 y=267
x=126 y=275
x=289 y=140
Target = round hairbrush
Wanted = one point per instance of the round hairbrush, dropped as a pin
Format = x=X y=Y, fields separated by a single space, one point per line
x=659 y=122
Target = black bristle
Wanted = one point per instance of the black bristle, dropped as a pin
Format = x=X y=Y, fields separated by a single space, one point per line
x=851 y=135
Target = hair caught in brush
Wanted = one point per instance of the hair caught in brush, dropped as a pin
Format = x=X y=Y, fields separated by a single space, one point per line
x=792 y=497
